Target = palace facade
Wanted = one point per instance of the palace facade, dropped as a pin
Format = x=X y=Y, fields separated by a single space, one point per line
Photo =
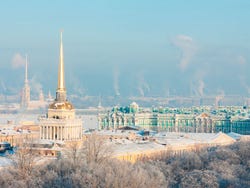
x=160 y=120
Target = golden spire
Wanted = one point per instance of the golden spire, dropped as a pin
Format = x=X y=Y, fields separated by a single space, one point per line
x=61 y=83
x=61 y=102
x=61 y=90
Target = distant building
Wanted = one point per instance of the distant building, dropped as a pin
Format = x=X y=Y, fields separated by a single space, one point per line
x=156 y=121
x=26 y=102
x=60 y=123
x=177 y=121
x=241 y=126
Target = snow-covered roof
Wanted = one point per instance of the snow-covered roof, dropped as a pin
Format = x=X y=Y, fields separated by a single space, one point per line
x=173 y=140
x=234 y=135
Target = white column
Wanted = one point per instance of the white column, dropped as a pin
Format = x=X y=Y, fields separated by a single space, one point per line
x=51 y=131
x=53 y=136
x=58 y=132
x=47 y=132
x=74 y=132
x=72 y=138
x=66 y=130
x=80 y=130
x=70 y=133
x=75 y=127
x=42 y=132
x=61 y=132
x=55 y=133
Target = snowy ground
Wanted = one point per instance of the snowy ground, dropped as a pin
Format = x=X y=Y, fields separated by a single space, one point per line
x=4 y=162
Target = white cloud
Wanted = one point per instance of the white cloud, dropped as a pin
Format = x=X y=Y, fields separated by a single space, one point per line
x=17 y=61
x=188 y=48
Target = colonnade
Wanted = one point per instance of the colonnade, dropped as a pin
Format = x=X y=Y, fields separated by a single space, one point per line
x=67 y=131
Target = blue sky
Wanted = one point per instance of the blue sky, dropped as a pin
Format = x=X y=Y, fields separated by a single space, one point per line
x=131 y=47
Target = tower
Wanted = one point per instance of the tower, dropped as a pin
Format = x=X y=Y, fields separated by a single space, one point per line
x=25 y=96
x=60 y=122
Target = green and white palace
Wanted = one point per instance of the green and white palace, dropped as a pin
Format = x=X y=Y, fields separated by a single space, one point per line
x=196 y=120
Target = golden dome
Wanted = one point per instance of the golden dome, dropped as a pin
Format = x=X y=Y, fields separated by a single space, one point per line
x=61 y=105
x=204 y=115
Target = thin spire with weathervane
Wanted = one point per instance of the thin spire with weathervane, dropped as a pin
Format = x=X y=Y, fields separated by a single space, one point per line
x=26 y=70
x=25 y=97
x=61 y=90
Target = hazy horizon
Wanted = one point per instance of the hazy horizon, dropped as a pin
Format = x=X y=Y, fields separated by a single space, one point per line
x=142 y=48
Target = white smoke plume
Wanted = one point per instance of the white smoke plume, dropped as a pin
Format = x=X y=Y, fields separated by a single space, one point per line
x=166 y=90
x=188 y=48
x=3 y=86
x=143 y=86
x=248 y=89
x=35 y=86
x=244 y=84
x=197 y=88
x=141 y=92
x=116 y=81
x=241 y=60
x=219 y=97
x=79 y=90
x=76 y=86
x=18 y=60
x=201 y=86
x=192 y=89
